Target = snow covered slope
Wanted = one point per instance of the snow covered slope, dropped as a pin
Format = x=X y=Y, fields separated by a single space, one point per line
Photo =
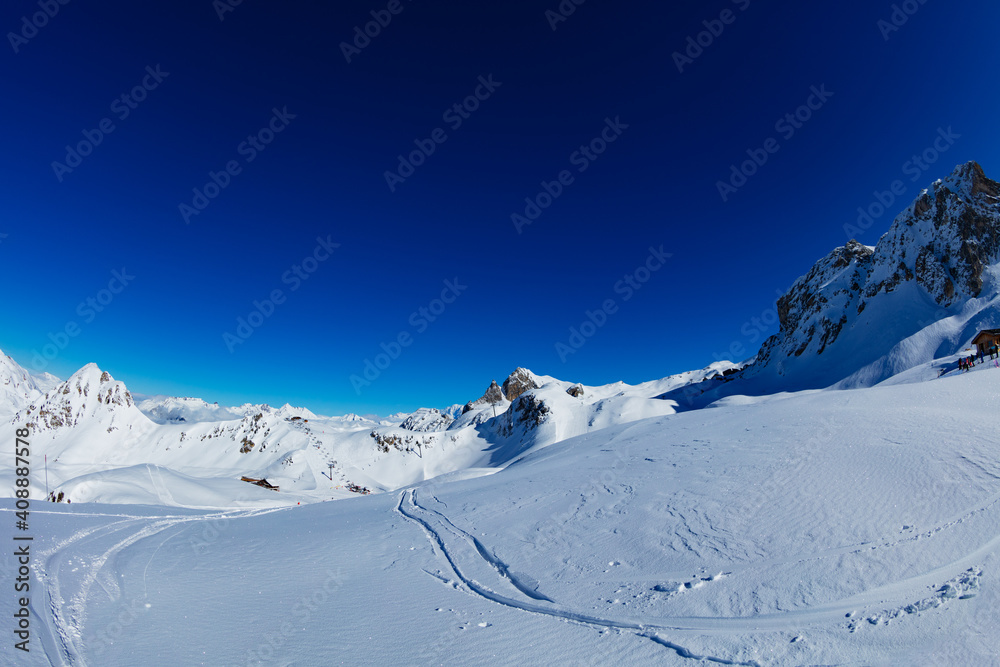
x=17 y=386
x=856 y=527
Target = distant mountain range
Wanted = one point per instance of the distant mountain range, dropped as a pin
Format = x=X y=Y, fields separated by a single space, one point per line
x=860 y=316
x=104 y=446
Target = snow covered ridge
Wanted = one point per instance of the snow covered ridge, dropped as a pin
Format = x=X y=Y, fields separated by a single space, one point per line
x=175 y=410
x=865 y=313
x=18 y=386
x=102 y=446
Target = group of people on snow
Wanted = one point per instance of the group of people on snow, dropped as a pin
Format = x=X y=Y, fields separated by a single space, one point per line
x=966 y=363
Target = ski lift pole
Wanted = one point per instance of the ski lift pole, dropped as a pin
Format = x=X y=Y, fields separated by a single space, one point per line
x=46 y=477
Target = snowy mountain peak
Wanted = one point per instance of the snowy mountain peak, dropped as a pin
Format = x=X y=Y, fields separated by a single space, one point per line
x=45 y=381
x=288 y=411
x=862 y=314
x=90 y=393
x=944 y=240
x=968 y=180
x=17 y=386
x=92 y=378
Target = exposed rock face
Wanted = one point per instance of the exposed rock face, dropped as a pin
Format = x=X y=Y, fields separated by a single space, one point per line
x=518 y=382
x=493 y=395
x=944 y=239
x=409 y=443
x=817 y=303
x=576 y=391
x=527 y=411
x=943 y=242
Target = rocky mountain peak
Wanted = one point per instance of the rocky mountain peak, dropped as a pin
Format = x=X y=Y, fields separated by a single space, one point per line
x=492 y=396
x=90 y=392
x=937 y=251
x=943 y=240
x=518 y=382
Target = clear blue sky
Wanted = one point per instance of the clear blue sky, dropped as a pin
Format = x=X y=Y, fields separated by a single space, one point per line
x=218 y=82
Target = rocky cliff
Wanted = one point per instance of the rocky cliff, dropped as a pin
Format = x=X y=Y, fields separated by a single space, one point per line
x=864 y=313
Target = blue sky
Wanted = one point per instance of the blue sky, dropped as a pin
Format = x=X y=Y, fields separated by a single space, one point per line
x=300 y=140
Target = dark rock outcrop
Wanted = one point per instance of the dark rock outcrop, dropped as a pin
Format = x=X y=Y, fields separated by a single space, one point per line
x=517 y=383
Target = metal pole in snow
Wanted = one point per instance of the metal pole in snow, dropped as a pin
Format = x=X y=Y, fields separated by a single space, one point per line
x=46 y=477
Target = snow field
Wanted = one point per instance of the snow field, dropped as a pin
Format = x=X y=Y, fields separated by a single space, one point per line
x=836 y=527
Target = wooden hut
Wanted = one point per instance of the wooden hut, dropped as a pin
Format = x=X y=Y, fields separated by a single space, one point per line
x=259 y=482
x=986 y=340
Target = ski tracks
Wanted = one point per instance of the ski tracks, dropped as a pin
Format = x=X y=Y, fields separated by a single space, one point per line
x=89 y=549
x=478 y=571
x=472 y=564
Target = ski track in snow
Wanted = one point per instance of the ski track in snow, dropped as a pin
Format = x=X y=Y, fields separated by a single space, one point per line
x=907 y=595
x=477 y=570
x=435 y=525
x=67 y=610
